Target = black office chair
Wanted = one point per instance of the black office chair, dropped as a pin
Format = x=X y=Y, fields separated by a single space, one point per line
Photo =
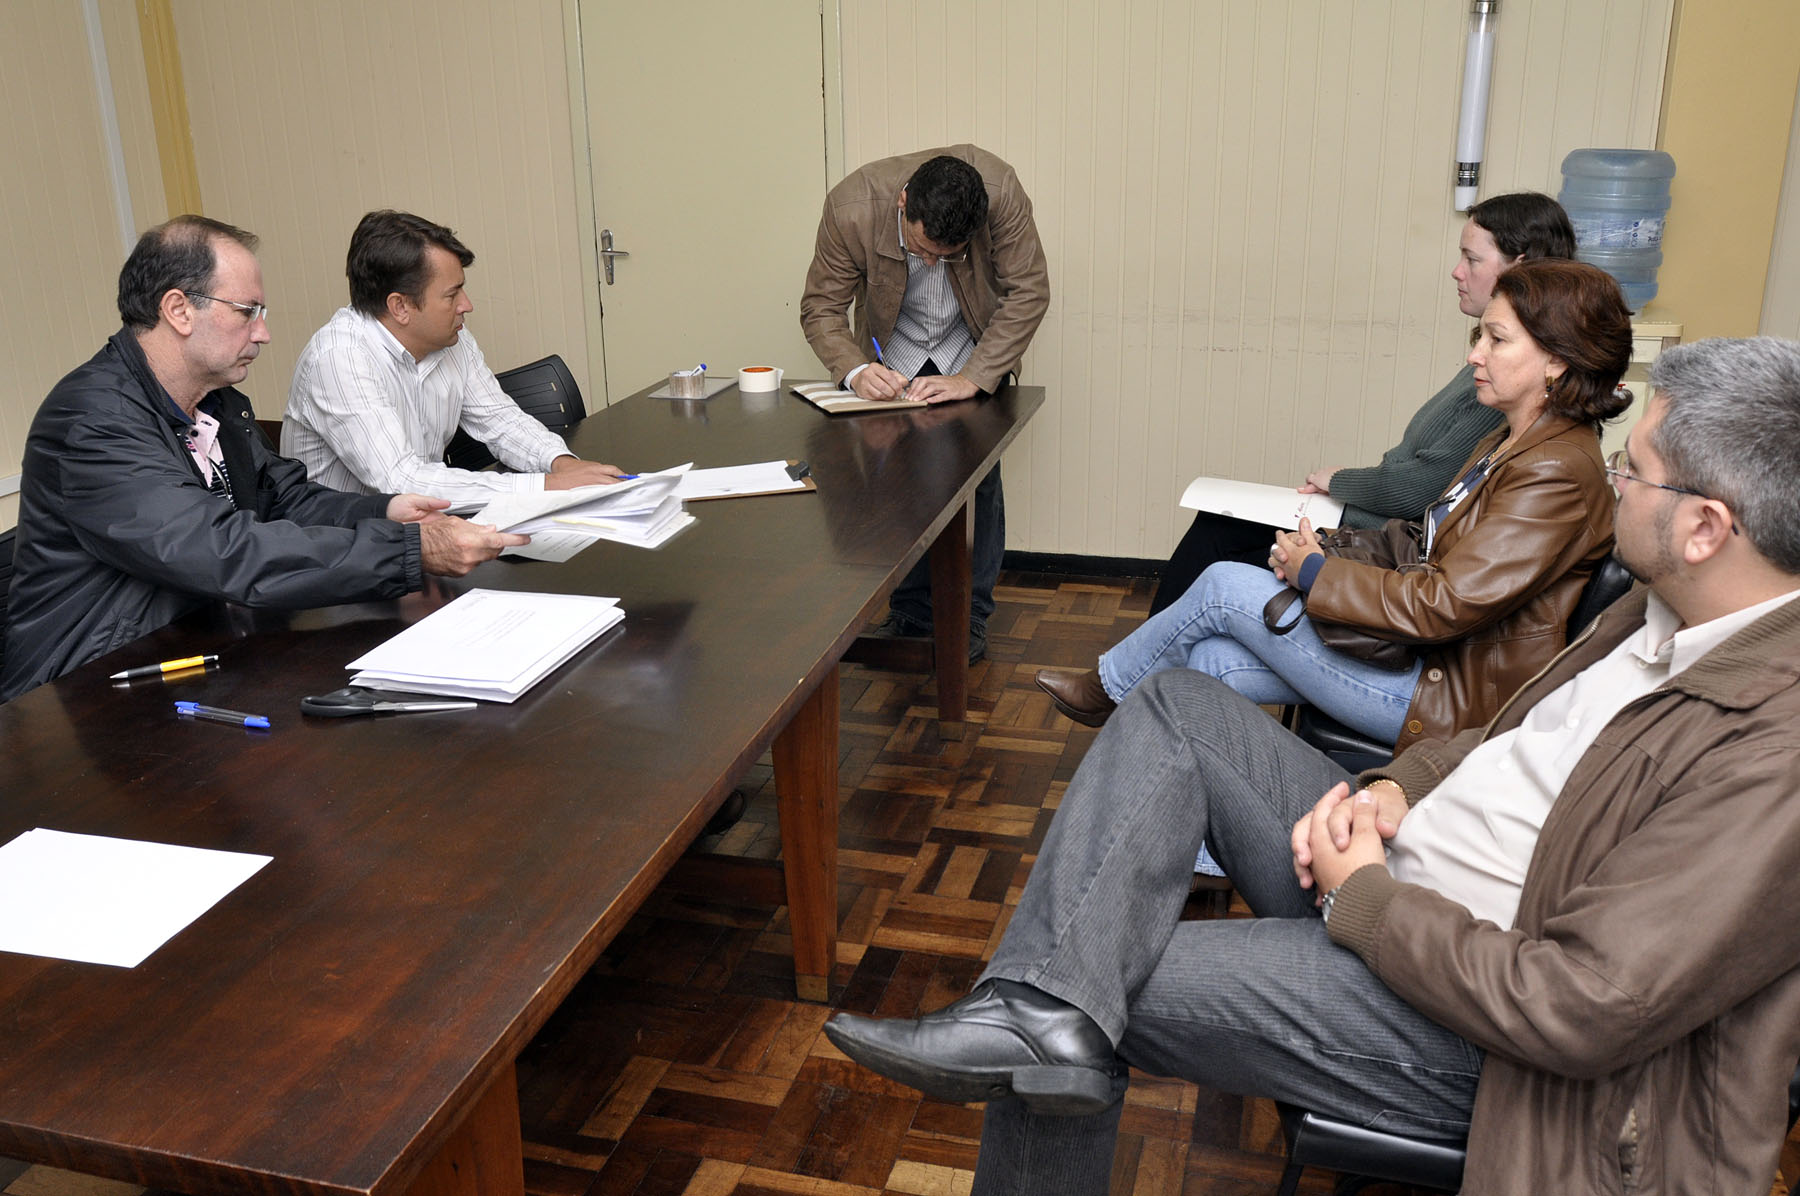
x=544 y=389
x=6 y=572
x=1354 y=751
x=1363 y=1156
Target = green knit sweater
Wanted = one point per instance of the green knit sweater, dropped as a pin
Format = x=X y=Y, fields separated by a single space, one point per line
x=1438 y=439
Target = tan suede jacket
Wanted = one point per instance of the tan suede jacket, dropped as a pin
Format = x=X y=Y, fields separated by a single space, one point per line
x=1642 y=1017
x=1003 y=288
x=1510 y=563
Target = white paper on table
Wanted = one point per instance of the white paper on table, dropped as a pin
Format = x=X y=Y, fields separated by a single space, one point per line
x=525 y=513
x=1277 y=506
x=490 y=644
x=561 y=543
x=761 y=478
x=95 y=899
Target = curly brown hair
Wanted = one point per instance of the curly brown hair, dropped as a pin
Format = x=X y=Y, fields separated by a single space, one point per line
x=1574 y=311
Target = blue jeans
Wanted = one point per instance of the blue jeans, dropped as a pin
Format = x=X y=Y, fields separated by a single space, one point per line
x=1217 y=628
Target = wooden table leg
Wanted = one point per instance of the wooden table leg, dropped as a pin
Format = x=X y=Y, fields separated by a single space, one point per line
x=951 y=589
x=806 y=774
x=485 y=1155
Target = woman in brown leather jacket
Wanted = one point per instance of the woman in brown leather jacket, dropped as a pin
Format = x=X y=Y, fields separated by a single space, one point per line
x=1509 y=547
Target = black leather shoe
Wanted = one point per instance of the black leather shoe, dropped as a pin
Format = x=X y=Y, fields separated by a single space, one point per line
x=898 y=626
x=1080 y=696
x=1003 y=1039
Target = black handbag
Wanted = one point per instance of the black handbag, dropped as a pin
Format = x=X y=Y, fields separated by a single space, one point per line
x=1397 y=545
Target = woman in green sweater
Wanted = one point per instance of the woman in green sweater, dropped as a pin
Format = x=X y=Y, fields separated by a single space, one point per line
x=1438 y=439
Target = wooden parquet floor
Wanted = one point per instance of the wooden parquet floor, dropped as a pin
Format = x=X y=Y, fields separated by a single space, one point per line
x=682 y=1065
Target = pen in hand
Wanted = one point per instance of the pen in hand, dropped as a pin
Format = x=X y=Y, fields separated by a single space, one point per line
x=882 y=362
x=217 y=714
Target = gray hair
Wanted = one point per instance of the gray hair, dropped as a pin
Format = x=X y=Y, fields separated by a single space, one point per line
x=1731 y=430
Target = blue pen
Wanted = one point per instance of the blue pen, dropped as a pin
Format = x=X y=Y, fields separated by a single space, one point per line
x=628 y=477
x=236 y=718
x=903 y=390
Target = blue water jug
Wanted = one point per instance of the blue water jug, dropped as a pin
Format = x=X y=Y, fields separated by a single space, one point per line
x=1618 y=199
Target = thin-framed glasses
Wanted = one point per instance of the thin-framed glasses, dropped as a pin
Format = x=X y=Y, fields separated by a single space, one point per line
x=252 y=311
x=961 y=255
x=1618 y=466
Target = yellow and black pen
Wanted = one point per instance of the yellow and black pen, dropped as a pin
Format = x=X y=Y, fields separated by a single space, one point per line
x=167 y=666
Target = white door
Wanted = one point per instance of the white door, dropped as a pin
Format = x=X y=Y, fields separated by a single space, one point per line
x=706 y=125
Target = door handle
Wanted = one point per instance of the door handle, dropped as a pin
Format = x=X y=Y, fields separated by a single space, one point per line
x=608 y=253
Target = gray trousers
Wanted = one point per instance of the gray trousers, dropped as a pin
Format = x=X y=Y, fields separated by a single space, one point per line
x=1266 y=1006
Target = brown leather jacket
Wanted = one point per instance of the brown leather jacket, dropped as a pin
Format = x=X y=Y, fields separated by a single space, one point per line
x=1511 y=561
x=1642 y=1016
x=1003 y=287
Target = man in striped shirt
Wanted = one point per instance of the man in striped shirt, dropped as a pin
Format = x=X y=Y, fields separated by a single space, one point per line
x=380 y=390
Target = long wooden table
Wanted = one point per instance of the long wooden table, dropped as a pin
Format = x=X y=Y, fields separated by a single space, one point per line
x=346 y=1021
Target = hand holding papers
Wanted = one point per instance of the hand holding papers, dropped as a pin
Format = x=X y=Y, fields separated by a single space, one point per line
x=1277 y=506
x=491 y=644
x=644 y=511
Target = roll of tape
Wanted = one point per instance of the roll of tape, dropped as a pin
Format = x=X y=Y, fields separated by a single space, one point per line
x=753 y=379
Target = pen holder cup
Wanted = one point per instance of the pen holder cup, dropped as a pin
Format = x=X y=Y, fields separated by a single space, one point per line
x=684 y=385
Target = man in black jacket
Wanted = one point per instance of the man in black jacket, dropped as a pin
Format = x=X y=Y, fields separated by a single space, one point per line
x=148 y=490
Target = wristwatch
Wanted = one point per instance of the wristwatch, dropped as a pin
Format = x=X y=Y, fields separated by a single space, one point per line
x=1325 y=905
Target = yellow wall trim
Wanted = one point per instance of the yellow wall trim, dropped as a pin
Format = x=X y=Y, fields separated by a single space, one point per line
x=168 y=106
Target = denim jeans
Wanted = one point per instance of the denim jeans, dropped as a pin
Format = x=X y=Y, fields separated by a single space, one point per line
x=1217 y=628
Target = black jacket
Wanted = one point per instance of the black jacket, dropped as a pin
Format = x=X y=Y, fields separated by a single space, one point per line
x=118 y=535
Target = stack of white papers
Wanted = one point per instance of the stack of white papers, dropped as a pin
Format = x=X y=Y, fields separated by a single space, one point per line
x=488 y=644
x=644 y=511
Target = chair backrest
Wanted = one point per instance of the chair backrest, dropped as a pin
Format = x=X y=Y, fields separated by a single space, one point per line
x=544 y=390
x=6 y=571
x=1605 y=587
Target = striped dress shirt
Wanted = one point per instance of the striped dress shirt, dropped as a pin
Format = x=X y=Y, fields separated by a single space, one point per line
x=363 y=416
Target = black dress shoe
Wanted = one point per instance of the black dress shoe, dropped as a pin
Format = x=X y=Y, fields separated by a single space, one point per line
x=1080 y=696
x=898 y=626
x=1003 y=1039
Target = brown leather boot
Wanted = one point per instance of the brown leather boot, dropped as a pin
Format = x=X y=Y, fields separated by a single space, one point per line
x=1078 y=695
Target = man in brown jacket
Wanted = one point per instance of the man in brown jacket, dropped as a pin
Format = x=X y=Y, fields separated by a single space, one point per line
x=1569 y=935
x=939 y=255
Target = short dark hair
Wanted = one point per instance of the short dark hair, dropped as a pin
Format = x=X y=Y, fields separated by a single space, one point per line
x=1526 y=224
x=1731 y=430
x=176 y=255
x=387 y=254
x=947 y=196
x=1575 y=312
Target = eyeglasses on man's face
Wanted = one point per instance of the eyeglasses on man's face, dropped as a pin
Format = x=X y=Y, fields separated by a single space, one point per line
x=926 y=254
x=1618 y=468
x=252 y=312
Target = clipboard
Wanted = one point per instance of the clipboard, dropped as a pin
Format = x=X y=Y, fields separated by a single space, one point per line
x=797 y=471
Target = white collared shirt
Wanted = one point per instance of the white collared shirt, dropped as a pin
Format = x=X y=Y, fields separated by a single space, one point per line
x=1471 y=837
x=364 y=416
